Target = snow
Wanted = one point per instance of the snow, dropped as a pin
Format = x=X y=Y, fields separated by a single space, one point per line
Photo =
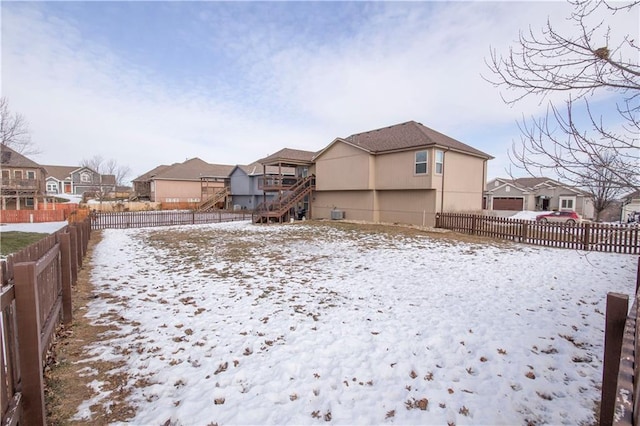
x=525 y=215
x=42 y=227
x=235 y=323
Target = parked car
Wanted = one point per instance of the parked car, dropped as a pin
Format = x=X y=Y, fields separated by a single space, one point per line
x=568 y=217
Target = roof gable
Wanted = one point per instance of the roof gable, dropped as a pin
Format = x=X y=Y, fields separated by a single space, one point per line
x=507 y=184
x=12 y=158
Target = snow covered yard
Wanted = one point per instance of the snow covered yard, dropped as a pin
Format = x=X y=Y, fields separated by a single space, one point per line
x=326 y=323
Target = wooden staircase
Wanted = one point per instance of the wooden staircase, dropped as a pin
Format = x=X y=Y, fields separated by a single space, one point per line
x=278 y=209
x=210 y=203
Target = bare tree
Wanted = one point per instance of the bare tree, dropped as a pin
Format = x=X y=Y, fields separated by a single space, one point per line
x=110 y=173
x=600 y=184
x=108 y=167
x=14 y=130
x=573 y=141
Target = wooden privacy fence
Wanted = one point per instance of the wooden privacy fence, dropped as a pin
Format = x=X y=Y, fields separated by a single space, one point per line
x=35 y=297
x=582 y=236
x=33 y=216
x=120 y=220
x=620 y=385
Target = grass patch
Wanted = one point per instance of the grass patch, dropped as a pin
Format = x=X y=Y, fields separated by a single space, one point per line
x=13 y=241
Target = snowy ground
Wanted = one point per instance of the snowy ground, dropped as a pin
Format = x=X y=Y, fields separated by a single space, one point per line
x=306 y=324
x=41 y=227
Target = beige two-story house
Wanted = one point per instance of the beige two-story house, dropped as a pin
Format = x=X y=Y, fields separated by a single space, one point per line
x=404 y=173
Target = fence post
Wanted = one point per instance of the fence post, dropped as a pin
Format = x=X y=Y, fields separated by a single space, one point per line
x=29 y=344
x=65 y=260
x=80 y=244
x=193 y=217
x=638 y=276
x=437 y=220
x=524 y=231
x=474 y=218
x=617 y=306
x=586 y=238
x=73 y=234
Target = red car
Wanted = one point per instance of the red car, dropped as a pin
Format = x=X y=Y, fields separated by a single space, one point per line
x=568 y=217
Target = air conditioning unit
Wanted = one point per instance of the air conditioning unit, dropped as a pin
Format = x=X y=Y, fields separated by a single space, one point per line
x=237 y=207
x=337 y=214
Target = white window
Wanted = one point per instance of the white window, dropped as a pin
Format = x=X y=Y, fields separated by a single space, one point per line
x=194 y=200
x=52 y=187
x=567 y=203
x=421 y=162
x=507 y=189
x=17 y=174
x=28 y=202
x=439 y=161
x=496 y=184
x=85 y=177
x=31 y=175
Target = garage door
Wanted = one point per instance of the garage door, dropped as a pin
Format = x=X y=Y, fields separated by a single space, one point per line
x=505 y=203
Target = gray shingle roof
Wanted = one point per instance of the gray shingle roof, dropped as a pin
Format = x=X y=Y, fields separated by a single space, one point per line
x=194 y=169
x=60 y=172
x=289 y=156
x=148 y=175
x=406 y=136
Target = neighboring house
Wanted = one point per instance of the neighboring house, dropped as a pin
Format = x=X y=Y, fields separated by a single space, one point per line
x=246 y=184
x=23 y=181
x=76 y=180
x=287 y=191
x=142 y=184
x=404 y=173
x=193 y=181
x=631 y=207
x=535 y=194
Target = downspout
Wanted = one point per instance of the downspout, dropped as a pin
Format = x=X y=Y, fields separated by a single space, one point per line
x=484 y=183
x=444 y=154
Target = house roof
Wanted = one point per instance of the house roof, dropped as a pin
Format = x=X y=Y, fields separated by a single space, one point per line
x=289 y=156
x=533 y=183
x=151 y=173
x=60 y=172
x=406 y=136
x=11 y=158
x=194 y=169
x=633 y=195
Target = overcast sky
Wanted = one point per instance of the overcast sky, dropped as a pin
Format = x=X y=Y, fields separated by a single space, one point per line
x=150 y=83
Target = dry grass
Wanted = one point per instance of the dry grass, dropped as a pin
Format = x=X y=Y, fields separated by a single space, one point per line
x=182 y=247
x=66 y=387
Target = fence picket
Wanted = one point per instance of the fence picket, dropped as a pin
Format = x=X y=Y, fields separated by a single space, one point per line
x=583 y=236
x=143 y=219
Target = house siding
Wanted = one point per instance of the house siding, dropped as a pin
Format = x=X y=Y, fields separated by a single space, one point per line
x=397 y=171
x=180 y=191
x=414 y=206
x=463 y=183
x=357 y=205
x=343 y=167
